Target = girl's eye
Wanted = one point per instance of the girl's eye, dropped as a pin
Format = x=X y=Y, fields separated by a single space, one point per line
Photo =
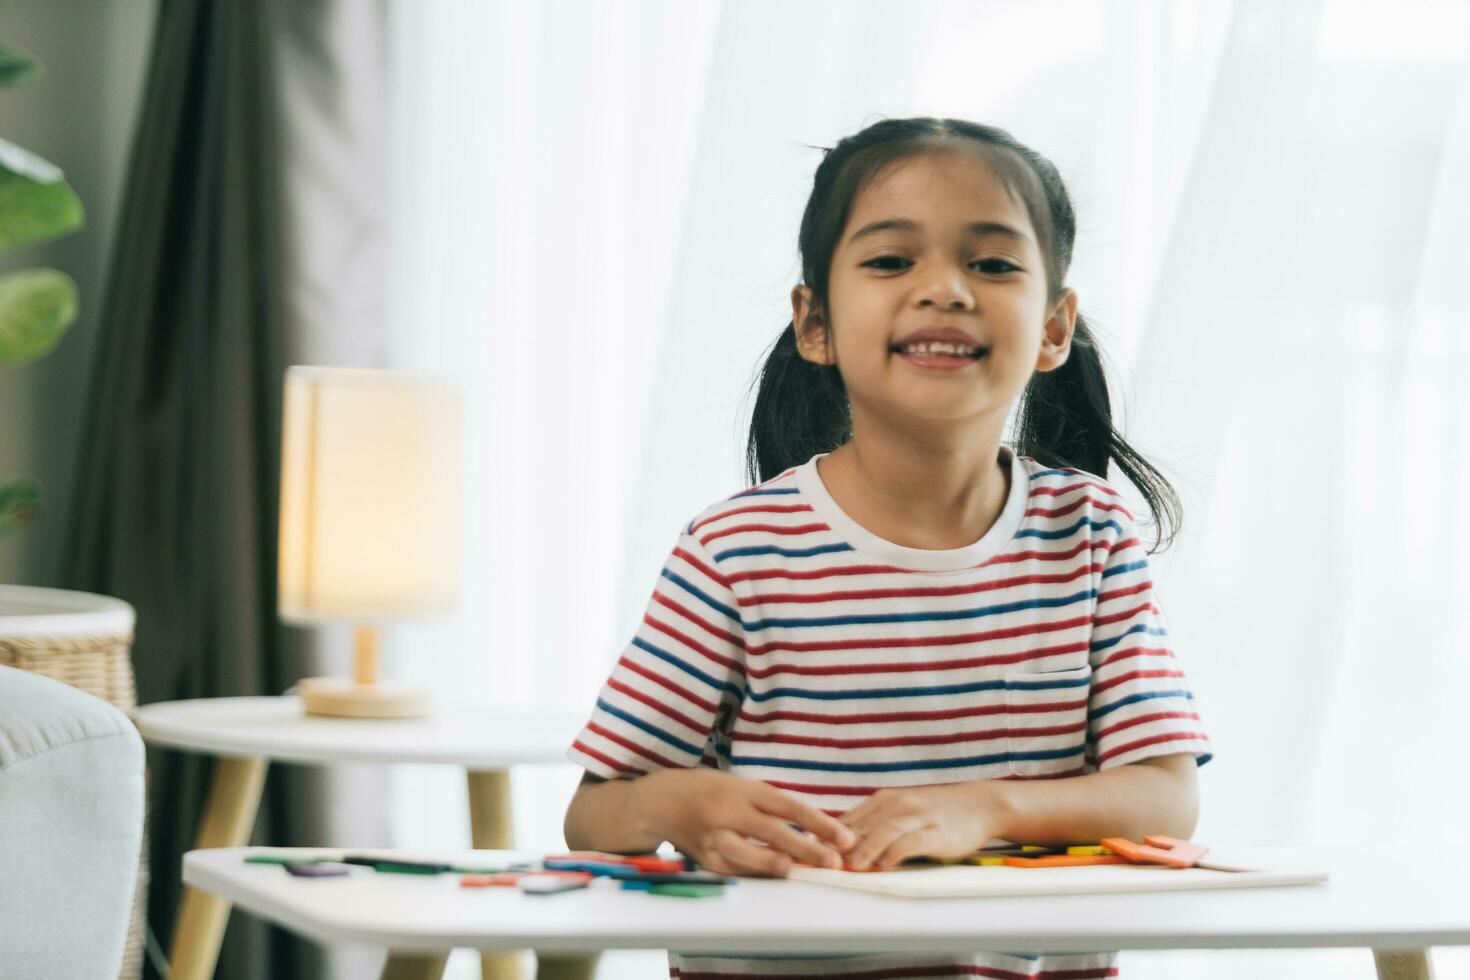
x=995 y=265
x=999 y=265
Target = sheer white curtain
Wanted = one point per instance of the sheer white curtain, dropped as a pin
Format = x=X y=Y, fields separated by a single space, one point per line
x=596 y=207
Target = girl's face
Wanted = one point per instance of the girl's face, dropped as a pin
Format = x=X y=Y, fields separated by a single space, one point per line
x=911 y=262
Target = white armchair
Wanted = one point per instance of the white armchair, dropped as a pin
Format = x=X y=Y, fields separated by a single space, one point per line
x=71 y=823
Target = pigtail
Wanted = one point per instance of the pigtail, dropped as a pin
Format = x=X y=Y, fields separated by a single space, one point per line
x=1065 y=419
x=800 y=410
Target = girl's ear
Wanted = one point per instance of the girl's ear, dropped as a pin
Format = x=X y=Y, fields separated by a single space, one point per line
x=811 y=329
x=1056 y=335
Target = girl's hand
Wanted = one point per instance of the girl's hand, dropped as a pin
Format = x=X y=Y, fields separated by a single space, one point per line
x=709 y=816
x=947 y=821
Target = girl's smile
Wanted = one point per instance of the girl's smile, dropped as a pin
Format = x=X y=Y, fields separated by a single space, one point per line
x=940 y=347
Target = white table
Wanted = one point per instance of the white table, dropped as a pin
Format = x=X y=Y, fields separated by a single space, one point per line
x=247 y=733
x=1374 y=899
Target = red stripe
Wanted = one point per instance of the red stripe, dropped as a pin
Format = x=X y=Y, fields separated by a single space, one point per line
x=1099 y=686
x=1088 y=545
x=605 y=760
x=1105 y=734
x=707 y=571
x=869 y=743
x=725 y=532
x=726 y=635
x=1058 y=491
x=845 y=570
x=1141 y=587
x=631 y=746
x=816 y=573
x=953 y=738
x=1154 y=740
x=944 y=590
x=817 y=789
x=1064 y=774
x=903 y=642
x=1126 y=653
x=691 y=643
x=1043 y=707
x=759 y=509
x=1064 y=511
x=946 y=714
x=658 y=706
x=1126 y=614
x=664 y=682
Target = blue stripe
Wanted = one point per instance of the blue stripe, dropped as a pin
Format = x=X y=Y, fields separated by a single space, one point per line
x=1138 y=628
x=975 y=760
x=701 y=595
x=1134 y=699
x=1132 y=566
x=657 y=733
x=765 y=493
x=1049 y=685
x=831 y=548
x=691 y=670
x=924 y=617
x=825 y=549
x=1066 y=532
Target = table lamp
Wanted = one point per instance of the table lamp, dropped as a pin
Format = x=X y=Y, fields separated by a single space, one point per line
x=369 y=519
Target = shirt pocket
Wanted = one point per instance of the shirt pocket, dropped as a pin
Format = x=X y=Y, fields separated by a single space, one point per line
x=1046 y=720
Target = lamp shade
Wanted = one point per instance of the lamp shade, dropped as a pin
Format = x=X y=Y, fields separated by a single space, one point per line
x=369 y=496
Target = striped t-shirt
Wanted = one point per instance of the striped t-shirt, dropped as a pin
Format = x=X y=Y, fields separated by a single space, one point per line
x=785 y=642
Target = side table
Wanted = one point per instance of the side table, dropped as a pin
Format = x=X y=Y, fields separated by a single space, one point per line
x=246 y=734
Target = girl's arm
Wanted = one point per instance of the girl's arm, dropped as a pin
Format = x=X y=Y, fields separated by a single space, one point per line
x=709 y=815
x=1153 y=796
x=604 y=815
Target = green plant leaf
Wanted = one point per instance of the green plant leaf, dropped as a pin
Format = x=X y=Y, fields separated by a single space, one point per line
x=36 y=307
x=18 y=67
x=21 y=501
x=36 y=202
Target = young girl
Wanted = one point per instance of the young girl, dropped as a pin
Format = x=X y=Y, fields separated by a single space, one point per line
x=908 y=638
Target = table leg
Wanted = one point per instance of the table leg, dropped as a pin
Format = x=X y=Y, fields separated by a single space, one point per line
x=565 y=966
x=229 y=816
x=1402 y=964
x=490 y=828
x=414 y=966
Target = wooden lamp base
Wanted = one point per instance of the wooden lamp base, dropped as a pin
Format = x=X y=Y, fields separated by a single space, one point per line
x=366 y=696
x=342 y=698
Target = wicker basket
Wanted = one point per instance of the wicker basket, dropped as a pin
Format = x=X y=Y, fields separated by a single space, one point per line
x=83 y=640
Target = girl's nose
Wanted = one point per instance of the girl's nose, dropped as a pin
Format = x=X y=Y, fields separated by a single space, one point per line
x=947 y=290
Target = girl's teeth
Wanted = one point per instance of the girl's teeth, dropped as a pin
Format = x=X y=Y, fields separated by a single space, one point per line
x=953 y=350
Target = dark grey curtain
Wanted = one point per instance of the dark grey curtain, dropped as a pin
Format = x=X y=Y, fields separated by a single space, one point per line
x=175 y=506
